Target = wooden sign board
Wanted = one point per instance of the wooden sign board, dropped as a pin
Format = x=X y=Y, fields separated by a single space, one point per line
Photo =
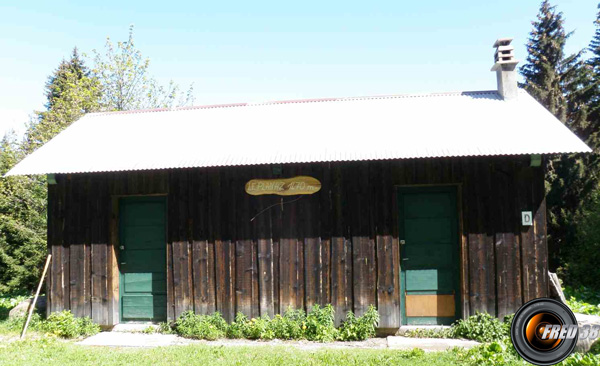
x=283 y=186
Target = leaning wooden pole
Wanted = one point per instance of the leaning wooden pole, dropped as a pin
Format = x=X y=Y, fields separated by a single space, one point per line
x=37 y=293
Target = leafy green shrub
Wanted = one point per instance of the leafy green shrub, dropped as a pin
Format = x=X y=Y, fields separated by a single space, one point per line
x=481 y=327
x=217 y=320
x=507 y=323
x=595 y=349
x=165 y=328
x=320 y=324
x=209 y=327
x=255 y=328
x=289 y=326
x=361 y=328
x=149 y=330
x=583 y=293
x=259 y=328
x=502 y=353
x=317 y=325
x=15 y=324
x=577 y=359
x=583 y=300
x=64 y=324
x=489 y=354
x=10 y=301
x=237 y=329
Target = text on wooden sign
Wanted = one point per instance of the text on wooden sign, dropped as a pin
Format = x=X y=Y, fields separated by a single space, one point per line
x=283 y=186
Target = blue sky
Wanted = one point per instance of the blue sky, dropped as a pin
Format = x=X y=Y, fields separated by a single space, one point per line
x=250 y=51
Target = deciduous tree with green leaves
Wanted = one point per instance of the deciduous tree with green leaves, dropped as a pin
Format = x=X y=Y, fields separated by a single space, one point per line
x=119 y=80
x=126 y=83
x=22 y=223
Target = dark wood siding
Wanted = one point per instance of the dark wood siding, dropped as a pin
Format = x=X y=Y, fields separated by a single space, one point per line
x=229 y=251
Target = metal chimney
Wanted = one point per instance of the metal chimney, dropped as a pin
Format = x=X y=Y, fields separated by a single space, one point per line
x=505 y=67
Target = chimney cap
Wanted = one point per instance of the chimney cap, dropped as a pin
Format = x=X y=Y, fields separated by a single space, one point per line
x=504 y=57
x=502 y=42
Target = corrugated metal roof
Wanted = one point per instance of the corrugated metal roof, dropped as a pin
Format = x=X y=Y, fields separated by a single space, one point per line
x=341 y=129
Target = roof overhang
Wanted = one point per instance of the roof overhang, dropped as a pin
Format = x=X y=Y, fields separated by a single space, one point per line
x=343 y=129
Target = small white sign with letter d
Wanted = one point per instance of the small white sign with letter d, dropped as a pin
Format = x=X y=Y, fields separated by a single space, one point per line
x=527 y=218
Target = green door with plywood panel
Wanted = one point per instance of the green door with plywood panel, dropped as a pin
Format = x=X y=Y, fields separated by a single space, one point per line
x=429 y=252
x=142 y=258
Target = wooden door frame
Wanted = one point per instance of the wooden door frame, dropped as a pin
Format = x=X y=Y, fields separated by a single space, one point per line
x=462 y=242
x=114 y=272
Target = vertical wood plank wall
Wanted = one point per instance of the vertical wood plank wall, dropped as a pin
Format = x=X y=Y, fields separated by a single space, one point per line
x=337 y=246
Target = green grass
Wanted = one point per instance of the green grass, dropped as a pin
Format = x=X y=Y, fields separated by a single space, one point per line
x=51 y=351
x=9 y=328
x=44 y=349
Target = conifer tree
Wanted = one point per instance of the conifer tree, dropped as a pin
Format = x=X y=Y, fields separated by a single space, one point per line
x=71 y=92
x=581 y=255
x=545 y=58
x=594 y=88
x=560 y=82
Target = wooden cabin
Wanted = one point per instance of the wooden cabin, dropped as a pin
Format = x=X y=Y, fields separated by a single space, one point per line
x=430 y=207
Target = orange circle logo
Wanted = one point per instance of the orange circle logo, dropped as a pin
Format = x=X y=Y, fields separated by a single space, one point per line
x=544 y=331
x=538 y=330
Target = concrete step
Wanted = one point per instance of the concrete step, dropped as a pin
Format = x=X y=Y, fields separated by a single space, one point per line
x=133 y=327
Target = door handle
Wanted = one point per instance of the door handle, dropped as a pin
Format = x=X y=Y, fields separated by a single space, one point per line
x=402 y=242
x=405 y=259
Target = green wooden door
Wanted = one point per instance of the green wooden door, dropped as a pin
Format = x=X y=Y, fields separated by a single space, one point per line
x=428 y=233
x=142 y=258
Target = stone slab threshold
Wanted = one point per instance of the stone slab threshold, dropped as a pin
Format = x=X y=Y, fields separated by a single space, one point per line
x=409 y=328
x=128 y=339
x=133 y=327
